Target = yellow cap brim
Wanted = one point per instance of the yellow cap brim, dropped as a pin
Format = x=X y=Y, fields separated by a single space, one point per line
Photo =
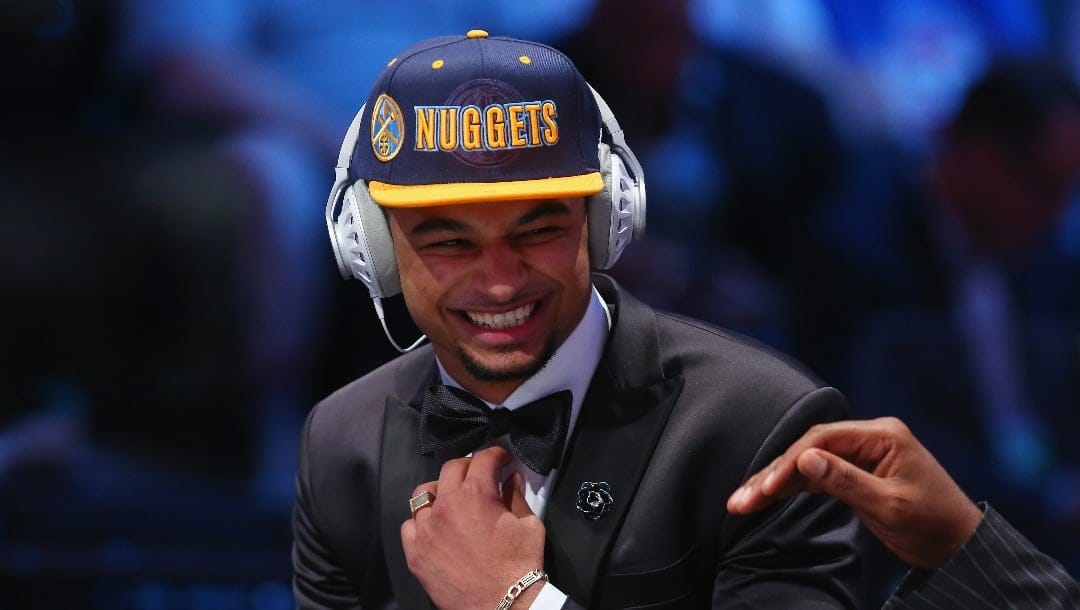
x=423 y=195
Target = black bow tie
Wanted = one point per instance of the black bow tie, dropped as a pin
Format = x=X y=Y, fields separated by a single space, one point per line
x=454 y=423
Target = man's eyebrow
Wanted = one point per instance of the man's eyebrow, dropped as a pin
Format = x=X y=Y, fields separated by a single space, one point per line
x=549 y=208
x=438 y=224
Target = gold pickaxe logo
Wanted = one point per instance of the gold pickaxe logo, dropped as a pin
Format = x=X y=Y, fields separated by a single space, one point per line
x=387 y=128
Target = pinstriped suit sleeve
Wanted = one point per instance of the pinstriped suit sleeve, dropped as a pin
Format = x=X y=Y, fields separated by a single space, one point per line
x=997 y=568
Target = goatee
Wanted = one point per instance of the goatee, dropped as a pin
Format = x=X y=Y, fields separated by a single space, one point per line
x=482 y=372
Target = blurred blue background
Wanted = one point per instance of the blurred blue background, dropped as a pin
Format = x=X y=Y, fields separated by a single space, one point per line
x=886 y=189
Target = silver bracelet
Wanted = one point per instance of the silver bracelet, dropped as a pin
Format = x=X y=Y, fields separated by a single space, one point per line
x=519 y=587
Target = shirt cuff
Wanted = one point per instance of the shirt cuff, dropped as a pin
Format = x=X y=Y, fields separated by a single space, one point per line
x=549 y=598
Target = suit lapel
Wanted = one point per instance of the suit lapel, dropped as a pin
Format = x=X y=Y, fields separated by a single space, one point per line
x=622 y=417
x=401 y=469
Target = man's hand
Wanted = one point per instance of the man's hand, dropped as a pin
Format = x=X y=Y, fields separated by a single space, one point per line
x=474 y=541
x=898 y=490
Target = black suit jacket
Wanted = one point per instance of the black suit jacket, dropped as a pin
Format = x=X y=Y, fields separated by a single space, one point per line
x=677 y=415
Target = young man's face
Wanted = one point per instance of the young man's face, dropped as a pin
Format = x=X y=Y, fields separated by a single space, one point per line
x=496 y=287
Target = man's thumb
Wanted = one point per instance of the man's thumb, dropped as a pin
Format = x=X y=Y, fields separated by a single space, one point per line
x=831 y=474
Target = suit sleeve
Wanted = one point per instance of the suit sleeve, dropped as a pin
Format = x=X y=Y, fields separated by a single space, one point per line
x=800 y=554
x=996 y=568
x=318 y=578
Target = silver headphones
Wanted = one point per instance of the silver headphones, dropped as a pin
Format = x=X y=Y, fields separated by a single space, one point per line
x=360 y=235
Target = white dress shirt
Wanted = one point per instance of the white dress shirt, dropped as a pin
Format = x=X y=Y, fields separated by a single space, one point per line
x=570 y=368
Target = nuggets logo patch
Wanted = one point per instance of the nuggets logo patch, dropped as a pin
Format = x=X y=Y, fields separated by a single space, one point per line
x=484 y=125
x=387 y=128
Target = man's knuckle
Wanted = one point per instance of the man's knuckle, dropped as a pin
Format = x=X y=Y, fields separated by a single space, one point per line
x=844 y=478
x=533 y=522
x=455 y=463
x=819 y=430
x=471 y=487
x=413 y=561
x=894 y=426
x=896 y=510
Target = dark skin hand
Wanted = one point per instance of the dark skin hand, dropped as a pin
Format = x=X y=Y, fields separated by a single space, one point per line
x=895 y=486
x=478 y=538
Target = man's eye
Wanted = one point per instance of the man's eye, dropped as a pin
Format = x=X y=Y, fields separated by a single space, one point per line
x=540 y=232
x=448 y=244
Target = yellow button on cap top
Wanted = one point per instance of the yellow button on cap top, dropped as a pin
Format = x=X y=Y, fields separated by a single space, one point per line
x=476 y=34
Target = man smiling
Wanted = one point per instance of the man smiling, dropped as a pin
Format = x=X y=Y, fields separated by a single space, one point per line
x=496 y=287
x=559 y=444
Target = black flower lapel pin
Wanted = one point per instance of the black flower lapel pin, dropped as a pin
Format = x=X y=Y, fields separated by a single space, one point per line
x=594 y=500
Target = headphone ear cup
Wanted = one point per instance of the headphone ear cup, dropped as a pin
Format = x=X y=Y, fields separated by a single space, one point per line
x=613 y=213
x=598 y=214
x=363 y=245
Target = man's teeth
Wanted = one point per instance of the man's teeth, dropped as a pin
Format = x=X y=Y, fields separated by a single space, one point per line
x=499 y=321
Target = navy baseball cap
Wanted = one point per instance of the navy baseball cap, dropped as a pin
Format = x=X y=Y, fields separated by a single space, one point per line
x=468 y=119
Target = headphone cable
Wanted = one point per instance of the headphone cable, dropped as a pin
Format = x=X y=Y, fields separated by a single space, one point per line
x=382 y=320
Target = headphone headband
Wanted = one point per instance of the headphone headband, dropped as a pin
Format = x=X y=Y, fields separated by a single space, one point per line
x=619 y=147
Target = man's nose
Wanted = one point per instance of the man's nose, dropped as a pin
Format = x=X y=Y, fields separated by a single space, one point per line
x=502 y=272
